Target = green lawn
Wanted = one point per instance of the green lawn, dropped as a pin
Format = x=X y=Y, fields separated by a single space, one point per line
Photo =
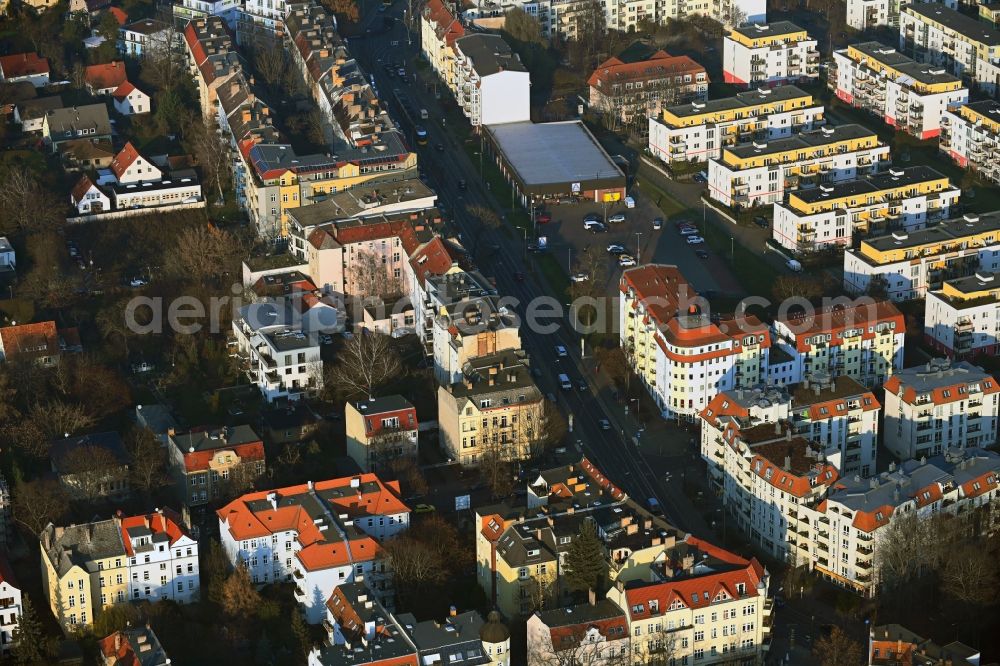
x=552 y=270
x=666 y=203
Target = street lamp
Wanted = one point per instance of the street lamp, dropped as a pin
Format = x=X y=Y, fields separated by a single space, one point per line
x=637 y=252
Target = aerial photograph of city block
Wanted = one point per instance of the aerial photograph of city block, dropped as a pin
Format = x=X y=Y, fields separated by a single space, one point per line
x=500 y=332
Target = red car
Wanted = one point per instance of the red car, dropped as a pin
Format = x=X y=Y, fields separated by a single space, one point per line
x=543 y=218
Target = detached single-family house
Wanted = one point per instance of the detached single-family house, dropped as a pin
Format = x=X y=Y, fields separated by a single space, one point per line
x=92 y=466
x=131 y=167
x=28 y=67
x=89 y=122
x=130 y=101
x=30 y=113
x=82 y=154
x=88 y=198
x=8 y=261
x=40 y=342
x=10 y=605
x=104 y=79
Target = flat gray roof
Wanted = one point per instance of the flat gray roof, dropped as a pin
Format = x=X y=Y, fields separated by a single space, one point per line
x=874 y=183
x=741 y=100
x=821 y=137
x=553 y=153
x=758 y=30
x=956 y=21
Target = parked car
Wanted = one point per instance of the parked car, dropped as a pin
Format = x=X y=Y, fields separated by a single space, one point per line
x=543 y=218
x=461 y=184
x=582 y=384
x=535 y=247
x=592 y=217
x=761 y=222
x=424 y=508
x=695 y=240
x=626 y=260
x=604 y=423
x=688 y=231
x=597 y=228
x=561 y=351
x=702 y=254
x=615 y=248
x=588 y=223
x=701 y=177
x=519 y=277
x=579 y=277
x=657 y=223
x=137 y=282
x=617 y=218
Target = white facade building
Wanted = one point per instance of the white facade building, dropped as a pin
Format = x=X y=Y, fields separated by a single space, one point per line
x=699 y=131
x=908 y=265
x=768 y=54
x=963 y=317
x=970 y=135
x=835 y=215
x=931 y=408
x=281 y=358
x=180 y=187
x=907 y=95
x=965 y=46
x=162 y=559
x=492 y=86
x=317 y=535
x=10 y=605
x=761 y=172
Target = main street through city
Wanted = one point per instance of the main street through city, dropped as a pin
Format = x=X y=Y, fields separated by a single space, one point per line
x=613 y=450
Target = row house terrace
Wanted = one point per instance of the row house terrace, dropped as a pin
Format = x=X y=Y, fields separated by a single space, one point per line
x=317 y=535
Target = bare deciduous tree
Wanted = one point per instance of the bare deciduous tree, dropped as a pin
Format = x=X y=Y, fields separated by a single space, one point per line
x=204 y=252
x=838 y=649
x=371 y=277
x=57 y=418
x=25 y=205
x=212 y=156
x=93 y=471
x=148 y=460
x=483 y=218
x=365 y=364
x=38 y=503
x=969 y=574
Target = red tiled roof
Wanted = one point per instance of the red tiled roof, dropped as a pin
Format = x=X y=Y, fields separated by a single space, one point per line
x=657 y=66
x=124 y=655
x=30 y=340
x=909 y=395
x=722 y=405
x=108 y=75
x=446 y=26
x=432 y=259
x=119 y=15
x=407 y=420
x=23 y=64
x=81 y=188
x=199 y=461
x=658 y=287
x=869 y=521
x=125 y=158
x=122 y=91
x=167 y=522
x=837 y=319
x=246 y=524
x=697 y=591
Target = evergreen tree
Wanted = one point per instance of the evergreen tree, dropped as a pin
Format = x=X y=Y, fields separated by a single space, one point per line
x=265 y=651
x=301 y=632
x=585 y=563
x=30 y=644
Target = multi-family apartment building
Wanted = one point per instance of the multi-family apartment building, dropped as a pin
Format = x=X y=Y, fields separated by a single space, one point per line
x=906 y=265
x=682 y=357
x=380 y=431
x=970 y=135
x=186 y=11
x=706 y=606
x=637 y=90
x=520 y=551
x=839 y=415
x=699 y=130
x=495 y=411
x=860 y=339
x=133 y=645
x=10 y=605
x=261 y=23
x=491 y=84
x=592 y=633
x=892 y=644
x=761 y=172
x=467 y=321
x=962 y=318
x=940 y=405
x=316 y=535
x=206 y=462
x=211 y=56
x=439 y=29
x=937 y=34
x=836 y=214
x=766 y=54
x=90 y=567
x=844 y=527
x=907 y=95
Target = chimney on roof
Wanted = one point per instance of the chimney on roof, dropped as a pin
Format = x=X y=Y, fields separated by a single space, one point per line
x=452 y=611
x=817 y=389
x=592 y=597
x=687 y=563
x=170 y=432
x=788 y=463
x=788 y=435
x=58 y=532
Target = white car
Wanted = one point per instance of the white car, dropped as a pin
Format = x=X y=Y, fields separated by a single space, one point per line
x=626 y=261
x=579 y=277
x=588 y=224
x=617 y=218
x=689 y=231
x=657 y=224
x=137 y=282
x=561 y=351
x=695 y=240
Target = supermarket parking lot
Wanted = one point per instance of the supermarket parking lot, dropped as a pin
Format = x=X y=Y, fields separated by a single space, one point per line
x=567 y=238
